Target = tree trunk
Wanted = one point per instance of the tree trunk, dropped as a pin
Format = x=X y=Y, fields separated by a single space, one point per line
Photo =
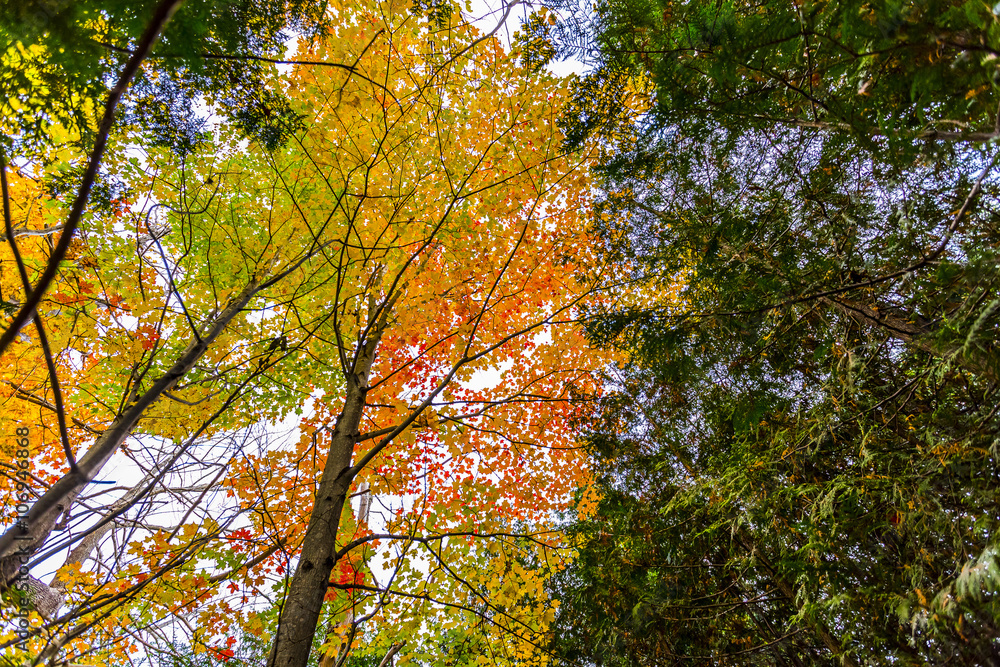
x=22 y=540
x=817 y=626
x=304 y=602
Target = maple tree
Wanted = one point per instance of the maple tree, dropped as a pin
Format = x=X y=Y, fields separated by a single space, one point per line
x=424 y=229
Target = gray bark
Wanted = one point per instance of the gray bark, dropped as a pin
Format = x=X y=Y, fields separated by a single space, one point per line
x=303 y=604
x=21 y=541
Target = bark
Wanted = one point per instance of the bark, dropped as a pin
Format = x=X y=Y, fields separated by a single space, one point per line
x=48 y=599
x=45 y=599
x=387 y=660
x=336 y=658
x=303 y=604
x=19 y=542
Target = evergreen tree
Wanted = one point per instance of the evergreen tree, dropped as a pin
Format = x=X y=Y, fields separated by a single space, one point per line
x=800 y=454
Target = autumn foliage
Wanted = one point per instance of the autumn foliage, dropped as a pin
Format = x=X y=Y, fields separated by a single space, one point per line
x=404 y=275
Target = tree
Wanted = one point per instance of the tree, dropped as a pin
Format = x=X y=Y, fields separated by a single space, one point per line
x=519 y=257
x=886 y=72
x=798 y=455
x=814 y=480
x=424 y=226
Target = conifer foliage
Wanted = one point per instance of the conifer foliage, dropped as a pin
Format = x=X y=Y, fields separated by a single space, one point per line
x=799 y=457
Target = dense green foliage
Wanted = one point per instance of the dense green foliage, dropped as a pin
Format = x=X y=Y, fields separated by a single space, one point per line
x=886 y=68
x=800 y=458
x=59 y=57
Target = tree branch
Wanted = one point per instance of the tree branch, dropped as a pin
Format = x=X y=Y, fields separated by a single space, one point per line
x=162 y=14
